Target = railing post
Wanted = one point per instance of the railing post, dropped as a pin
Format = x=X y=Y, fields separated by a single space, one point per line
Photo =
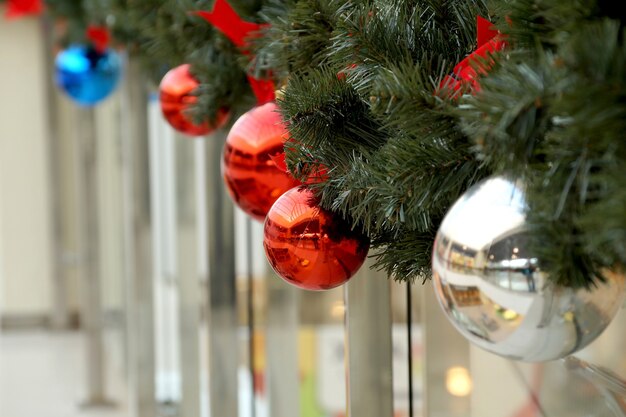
x=138 y=244
x=223 y=346
x=282 y=347
x=92 y=303
x=60 y=317
x=369 y=345
x=188 y=273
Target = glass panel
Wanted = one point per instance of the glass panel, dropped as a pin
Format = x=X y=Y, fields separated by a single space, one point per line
x=299 y=365
x=369 y=344
x=590 y=384
x=447 y=378
x=298 y=362
x=322 y=365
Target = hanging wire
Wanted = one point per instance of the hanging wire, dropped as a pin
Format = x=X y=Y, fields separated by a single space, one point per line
x=409 y=321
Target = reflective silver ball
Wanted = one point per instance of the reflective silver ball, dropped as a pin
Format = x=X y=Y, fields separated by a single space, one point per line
x=493 y=290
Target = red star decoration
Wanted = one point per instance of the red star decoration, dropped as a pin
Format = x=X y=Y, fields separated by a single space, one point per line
x=226 y=20
x=20 y=8
x=489 y=41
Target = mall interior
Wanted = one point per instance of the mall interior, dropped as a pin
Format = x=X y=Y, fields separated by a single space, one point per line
x=130 y=286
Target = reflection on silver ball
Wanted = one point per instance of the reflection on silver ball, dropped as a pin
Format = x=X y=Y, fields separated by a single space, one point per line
x=493 y=289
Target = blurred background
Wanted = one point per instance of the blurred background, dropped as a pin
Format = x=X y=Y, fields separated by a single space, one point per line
x=107 y=221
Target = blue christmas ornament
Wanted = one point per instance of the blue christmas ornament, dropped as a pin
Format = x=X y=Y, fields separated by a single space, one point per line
x=87 y=75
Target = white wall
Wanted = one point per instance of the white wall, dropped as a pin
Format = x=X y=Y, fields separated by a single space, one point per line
x=25 y=268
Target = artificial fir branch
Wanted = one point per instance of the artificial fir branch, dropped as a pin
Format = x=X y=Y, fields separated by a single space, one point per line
x=396 y=158
x=554 y=114
x=513 y=128
x=407 y=256
x=364 y=115
x=297 y=38
x=321 y=109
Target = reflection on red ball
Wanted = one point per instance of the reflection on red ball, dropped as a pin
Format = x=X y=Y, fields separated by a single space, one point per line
x=176 y=96
x=310 y=247
x=249 y=165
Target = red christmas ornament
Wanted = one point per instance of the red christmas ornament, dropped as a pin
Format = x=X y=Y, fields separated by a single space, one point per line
x=309 y=247
x=176 y=96
x=248 y=165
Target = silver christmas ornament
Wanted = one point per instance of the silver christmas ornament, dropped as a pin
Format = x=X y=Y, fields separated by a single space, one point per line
x=493 y=290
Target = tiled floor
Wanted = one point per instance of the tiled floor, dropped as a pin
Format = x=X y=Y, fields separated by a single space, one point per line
x=43 y=374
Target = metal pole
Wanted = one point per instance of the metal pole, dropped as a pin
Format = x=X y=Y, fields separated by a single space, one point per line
x=138 y=244
x=223 y=347
x=369 y=347
x=188 y=276
x=92 y=303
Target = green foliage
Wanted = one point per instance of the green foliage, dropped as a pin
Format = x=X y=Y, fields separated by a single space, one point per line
x=297 y=38
x=170 y=34
x=388 y=152
x=554 y=113
x=395 y=156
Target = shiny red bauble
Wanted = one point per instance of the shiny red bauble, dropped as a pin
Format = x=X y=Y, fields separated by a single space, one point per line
x=309 y=247
x=176 y=96
x=249 y=163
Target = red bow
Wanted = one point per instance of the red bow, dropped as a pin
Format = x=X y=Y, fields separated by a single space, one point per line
x=227 y=21
x=320 y=174
x=19 y=8
x=489 y=41
x=99 y=36
x=280 y=162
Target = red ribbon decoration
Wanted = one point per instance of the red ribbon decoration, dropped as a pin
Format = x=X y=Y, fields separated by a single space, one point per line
x=264 y=90
x=99 y=36
x=319 y=175
x=20 y=8
x=226 y=20
x=489 y=41
x=279 y=161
